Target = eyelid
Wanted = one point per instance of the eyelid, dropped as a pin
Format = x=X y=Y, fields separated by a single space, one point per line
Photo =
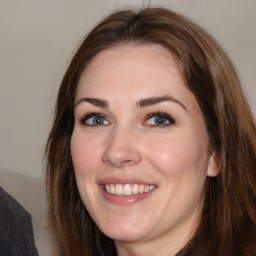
x=89 y=115
x=171 y=121
x=161 y=114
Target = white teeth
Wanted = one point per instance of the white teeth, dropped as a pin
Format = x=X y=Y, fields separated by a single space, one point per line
x=108 y=188
x=127 y=189
x=135 y=189
x=112 y=189
x=152 y=187
x=119 y=190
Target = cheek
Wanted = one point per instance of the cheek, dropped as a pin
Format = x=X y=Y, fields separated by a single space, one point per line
x=174 y=156
x=84 y=153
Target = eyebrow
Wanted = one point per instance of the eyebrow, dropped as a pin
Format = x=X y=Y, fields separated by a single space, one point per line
x=141 y=103
x=155 y=100
x=94 y=101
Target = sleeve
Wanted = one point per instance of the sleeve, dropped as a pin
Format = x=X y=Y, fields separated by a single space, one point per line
x=16 y=232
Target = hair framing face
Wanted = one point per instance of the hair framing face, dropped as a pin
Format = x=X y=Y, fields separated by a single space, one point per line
x=227 y=225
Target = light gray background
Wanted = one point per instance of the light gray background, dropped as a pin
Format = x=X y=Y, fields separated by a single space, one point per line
x=38 y=38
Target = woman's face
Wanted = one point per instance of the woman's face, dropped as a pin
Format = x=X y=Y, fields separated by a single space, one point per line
x=139 y=146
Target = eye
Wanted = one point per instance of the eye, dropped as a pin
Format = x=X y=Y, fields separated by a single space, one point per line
x=94 y=119
x=159 y=119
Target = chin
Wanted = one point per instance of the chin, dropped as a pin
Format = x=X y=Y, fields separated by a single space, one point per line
x=125 y=232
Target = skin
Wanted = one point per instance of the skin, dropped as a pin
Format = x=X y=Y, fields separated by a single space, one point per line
x=128 y=144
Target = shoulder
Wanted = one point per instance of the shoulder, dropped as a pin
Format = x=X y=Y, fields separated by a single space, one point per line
x=13 y=217
x=16 y=232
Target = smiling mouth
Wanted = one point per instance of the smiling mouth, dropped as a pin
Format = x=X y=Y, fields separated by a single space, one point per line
x=128 y=189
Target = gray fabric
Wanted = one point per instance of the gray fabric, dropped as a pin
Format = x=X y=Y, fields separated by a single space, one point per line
x=16 y=233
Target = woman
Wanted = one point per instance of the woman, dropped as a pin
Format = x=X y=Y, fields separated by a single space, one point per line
x=152 y=150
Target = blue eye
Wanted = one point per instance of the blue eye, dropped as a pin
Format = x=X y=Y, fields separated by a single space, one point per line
x=94 y=119
x=159 y=119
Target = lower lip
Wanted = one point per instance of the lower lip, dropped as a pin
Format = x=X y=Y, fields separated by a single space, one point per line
x=125 y=200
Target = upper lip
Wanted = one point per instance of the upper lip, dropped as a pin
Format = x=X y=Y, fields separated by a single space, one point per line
x=113 y=180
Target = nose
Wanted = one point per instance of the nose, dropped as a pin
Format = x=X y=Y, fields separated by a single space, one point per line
x=122 y=149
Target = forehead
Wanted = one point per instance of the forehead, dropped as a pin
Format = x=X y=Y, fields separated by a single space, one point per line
x=137 y=70
x=136 y=54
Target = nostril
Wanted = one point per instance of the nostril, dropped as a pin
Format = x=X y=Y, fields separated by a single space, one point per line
x=107 y=162
x=127 y=162
x=119 y=163
x=121 y=155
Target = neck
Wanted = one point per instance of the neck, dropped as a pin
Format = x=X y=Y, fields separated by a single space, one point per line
x=125 y=249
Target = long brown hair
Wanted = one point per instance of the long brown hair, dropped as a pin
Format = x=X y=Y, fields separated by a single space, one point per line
x=228 y=222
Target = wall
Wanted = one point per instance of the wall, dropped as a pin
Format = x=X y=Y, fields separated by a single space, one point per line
x=37 y=39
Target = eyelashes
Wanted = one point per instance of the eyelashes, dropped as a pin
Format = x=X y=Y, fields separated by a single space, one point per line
x=155 y=119
x=94 y=119
x=159 y=119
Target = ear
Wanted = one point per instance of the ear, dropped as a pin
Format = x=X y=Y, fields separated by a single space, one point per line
x=213 y=166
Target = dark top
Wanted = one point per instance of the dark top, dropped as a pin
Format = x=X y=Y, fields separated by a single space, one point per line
x=16 y=233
